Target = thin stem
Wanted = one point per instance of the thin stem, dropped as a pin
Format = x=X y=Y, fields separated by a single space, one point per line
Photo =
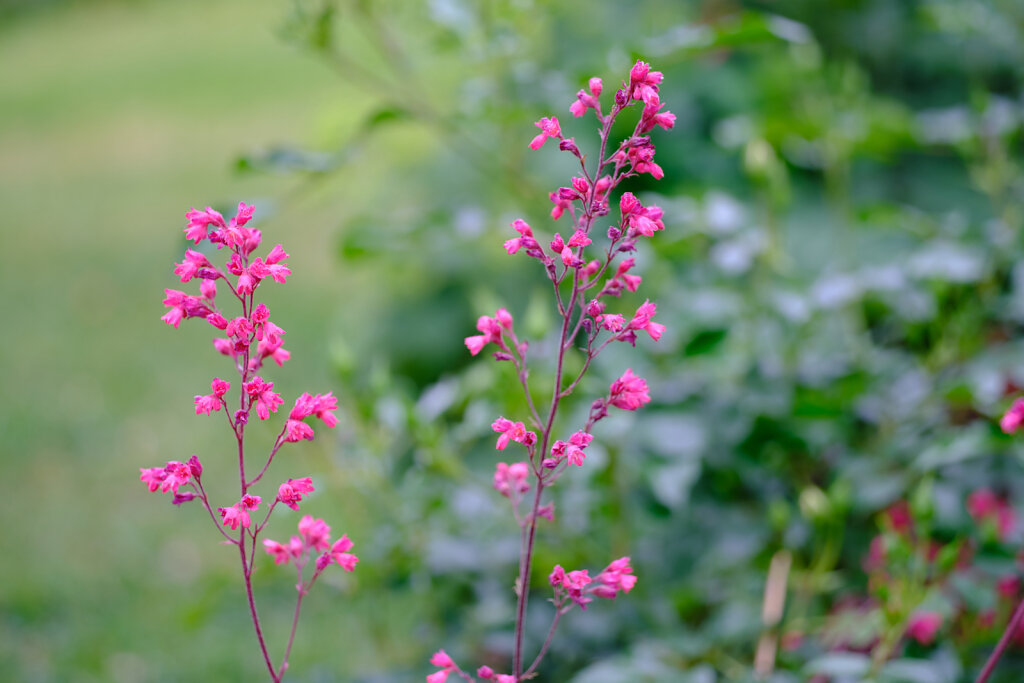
x=206 y=504
x=1004 y=641
x=547 y=643
x=277 y=446
x=526 y=558
x=295 y=625
x=252 y=610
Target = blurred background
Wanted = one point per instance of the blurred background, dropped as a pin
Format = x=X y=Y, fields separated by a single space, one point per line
x=839 y=275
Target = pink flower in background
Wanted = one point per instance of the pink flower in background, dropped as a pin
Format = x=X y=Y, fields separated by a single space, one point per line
x=339 y=553
x=629 y=392
x=1014 y=417
x=549 y=128
x=986 y=507
x=923 y=626
x=617 y=576
x=315 y=532
x=510 y=480
x=492 y=331
x=281 y=553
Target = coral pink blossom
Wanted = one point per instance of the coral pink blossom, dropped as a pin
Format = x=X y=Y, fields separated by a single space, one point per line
x=617 y=576
x=492 y=331
x=280 y=552
x=339 y=553
x=212 y=402
x=239 y=512
x=193 y=261
x=510 y=480
x=986 y=507
x=642 y=320
x=1014 y=417
x=575 y=583
x=199 y=223
x=644 y=83
x=315 y=533
x=923 y=626
x=629 y=392
x=290 y=493
x=512 y=431
x=266 y=400
x=549 y=128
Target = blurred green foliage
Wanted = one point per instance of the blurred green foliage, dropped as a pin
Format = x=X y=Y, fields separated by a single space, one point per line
x=839 y=276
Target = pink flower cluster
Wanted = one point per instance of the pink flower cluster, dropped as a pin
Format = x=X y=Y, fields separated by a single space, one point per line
x=448 y=666
x=584 y=278
x=314 y=538
x=579 y=586
x=249 y=338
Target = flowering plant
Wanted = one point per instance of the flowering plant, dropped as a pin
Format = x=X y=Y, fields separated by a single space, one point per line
x=582 y=287
x=249 y=340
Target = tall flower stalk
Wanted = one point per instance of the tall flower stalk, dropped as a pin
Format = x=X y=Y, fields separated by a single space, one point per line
x=582 y=283
x=249 y=339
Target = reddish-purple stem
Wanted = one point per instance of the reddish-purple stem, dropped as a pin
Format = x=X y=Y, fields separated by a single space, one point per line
x=1004 y=641
x=529 y=536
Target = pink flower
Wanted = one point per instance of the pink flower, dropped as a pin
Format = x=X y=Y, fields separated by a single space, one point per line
x=290 y=493
x=315 y=532
x=200 y=221
x=441 y=660
x=613 y=322
x=642 y=320
x=296 y=430
x=525 y=239
x=631 y=282
x=188 y=268
x=447 y=665
x=560 y=205
x=574 y=452
x=183 y=306
x=617 y=576
x=281 y=553
x=485 y=672
x=1014 y=417
x=212 y=402
x=244 y=214
x=512 y=431
x=240 y=328
x=262 y=270
x=152 y=477
x=510 y=480
x=549 y=128
x=923 y=626
x=640 y=154
x=239 y=512
x=492 y=331
x=653 y=116
x=339 y=552
x=643 y=83
x=629 y=392
x=987 y=508
x=266 y=400
x=177 y=474
x=574 y=583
